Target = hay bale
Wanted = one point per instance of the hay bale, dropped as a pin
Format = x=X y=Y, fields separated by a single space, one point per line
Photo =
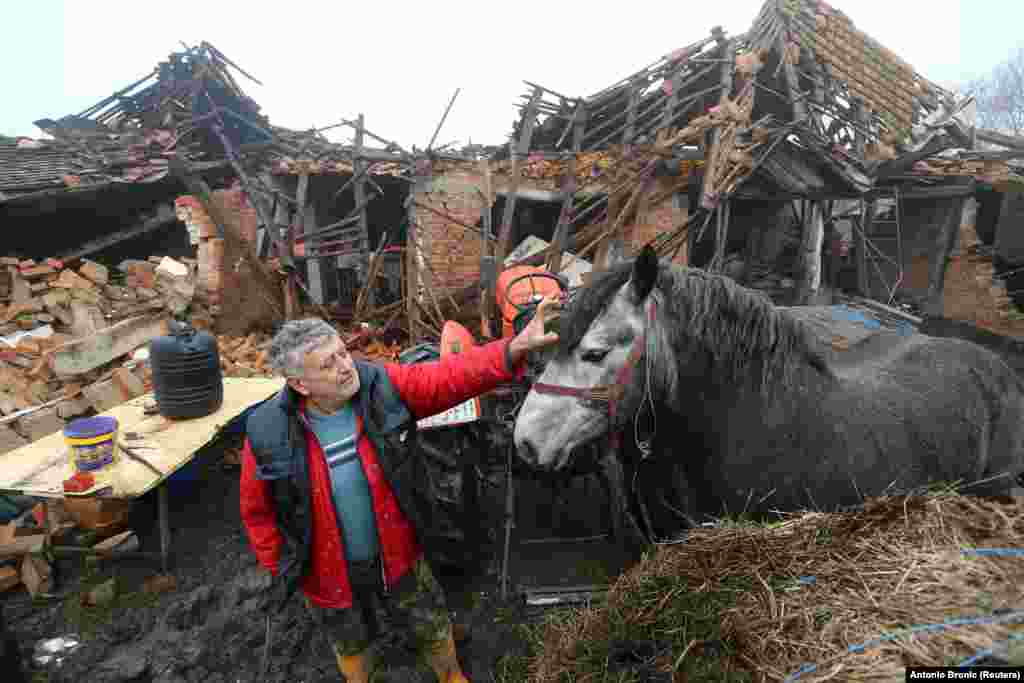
x=809 y=589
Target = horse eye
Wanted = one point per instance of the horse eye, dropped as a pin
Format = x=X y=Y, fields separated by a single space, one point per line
x=594 y=355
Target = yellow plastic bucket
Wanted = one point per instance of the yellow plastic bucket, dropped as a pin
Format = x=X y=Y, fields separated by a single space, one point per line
x=92 y=442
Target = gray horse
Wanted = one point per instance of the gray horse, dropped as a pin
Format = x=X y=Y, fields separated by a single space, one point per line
x=738 y=408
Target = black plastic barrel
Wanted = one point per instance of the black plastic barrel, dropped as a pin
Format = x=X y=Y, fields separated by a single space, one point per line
x=187 y=381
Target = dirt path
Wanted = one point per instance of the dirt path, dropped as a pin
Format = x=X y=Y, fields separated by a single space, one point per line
x=211 y=629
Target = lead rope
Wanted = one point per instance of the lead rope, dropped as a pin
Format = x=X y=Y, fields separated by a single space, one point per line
x=645 y=446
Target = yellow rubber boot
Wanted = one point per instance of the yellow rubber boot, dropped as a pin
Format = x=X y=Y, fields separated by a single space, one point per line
x=355 y=668
x=445 y=663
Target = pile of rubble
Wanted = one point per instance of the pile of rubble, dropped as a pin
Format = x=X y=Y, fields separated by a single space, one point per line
x=992 y=170
x=68 y=337
x=973 y=294
x=93 y=528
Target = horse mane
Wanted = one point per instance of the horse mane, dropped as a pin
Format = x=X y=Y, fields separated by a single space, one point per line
x=740 y=328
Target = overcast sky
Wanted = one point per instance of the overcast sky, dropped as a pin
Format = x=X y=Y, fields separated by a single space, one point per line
x=399 y=62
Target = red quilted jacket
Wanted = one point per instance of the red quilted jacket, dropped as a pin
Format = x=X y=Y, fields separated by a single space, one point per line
x=426 y=389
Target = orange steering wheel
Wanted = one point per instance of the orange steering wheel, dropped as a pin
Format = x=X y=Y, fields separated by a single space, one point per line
x=563 y=285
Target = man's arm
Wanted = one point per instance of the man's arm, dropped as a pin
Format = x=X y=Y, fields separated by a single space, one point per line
x=258 y=516
x=434 y=387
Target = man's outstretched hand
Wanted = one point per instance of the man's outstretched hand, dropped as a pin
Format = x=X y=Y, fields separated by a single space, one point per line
x=533 y=337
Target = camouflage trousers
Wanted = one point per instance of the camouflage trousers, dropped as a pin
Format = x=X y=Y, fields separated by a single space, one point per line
x=416 y=603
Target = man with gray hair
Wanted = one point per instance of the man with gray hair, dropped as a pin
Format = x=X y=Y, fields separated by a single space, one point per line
x=334 y=496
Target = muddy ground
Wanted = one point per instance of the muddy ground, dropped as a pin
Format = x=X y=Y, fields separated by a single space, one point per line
x=211 y=628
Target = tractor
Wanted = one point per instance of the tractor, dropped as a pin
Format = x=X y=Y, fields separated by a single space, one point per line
x=469 y=448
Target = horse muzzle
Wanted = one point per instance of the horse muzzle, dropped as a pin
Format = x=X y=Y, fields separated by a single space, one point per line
x=545 y=461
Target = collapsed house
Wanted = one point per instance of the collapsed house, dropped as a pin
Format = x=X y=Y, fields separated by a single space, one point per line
x=801 y=158
x=798 y=149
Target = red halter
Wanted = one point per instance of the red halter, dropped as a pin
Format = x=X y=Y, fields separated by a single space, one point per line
x=609 y=394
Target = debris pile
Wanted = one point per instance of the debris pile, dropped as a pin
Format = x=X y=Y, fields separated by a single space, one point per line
x=68 y=336
x=990 y=170
x=94 y=528
x=902 y=581
x=973 y=294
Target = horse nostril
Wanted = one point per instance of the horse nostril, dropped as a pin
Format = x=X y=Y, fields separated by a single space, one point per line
x=527 y=451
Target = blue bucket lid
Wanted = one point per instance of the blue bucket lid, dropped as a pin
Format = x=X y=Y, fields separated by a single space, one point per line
x=88 y=427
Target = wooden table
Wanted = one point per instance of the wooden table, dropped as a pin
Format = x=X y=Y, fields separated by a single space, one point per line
x=40 y=468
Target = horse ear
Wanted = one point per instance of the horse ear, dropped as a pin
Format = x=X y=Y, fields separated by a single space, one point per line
x=645 y=273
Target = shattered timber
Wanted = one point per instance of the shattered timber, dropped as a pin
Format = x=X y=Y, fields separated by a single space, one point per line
x=752 y=155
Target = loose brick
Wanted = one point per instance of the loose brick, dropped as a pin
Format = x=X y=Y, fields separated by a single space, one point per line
x=102 y=396
x=69 y=279
x=41 y=423
x=95 y=272
x=36 y=272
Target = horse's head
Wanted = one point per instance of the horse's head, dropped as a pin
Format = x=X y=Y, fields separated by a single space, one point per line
x=589 y=385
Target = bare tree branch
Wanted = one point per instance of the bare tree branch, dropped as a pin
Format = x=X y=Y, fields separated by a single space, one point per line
x=1000 y=95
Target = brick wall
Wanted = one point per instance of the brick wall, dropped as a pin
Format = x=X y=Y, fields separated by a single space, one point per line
x=452 y=251
x=240 y=217
x=653 y=220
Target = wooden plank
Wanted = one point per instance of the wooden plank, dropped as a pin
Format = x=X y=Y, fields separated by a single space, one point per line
x=860 y=236
x=359 y=192
x=22 y=545
x=634 y=98
x=488 y=266
x=561 y=236
x=792 y=84
x=997 y=138
x=82 y=355
x=810 y=252
x=712 y=155
x=37 y=575
x=9 y=578
x=945 y=240
x=298 y=226
x=40 y=468
x=41 y=423
x=315 y=268
x=722 y=216
x=411 y=277
x=519 y=150
x=163 y=217
x=672 y=101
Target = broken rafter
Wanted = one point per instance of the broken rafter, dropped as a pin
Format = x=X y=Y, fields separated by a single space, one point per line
x=519 y=149
x=792 y=84
x=1013 y=142
x=440 y=123
x=561 y=235
x=557 y=94
x=708 y=192
x=571 y=125
x=648 y=71
x=298 y=224
x=649 y=108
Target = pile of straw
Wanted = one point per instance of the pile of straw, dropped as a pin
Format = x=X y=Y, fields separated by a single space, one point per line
x=800 y=597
